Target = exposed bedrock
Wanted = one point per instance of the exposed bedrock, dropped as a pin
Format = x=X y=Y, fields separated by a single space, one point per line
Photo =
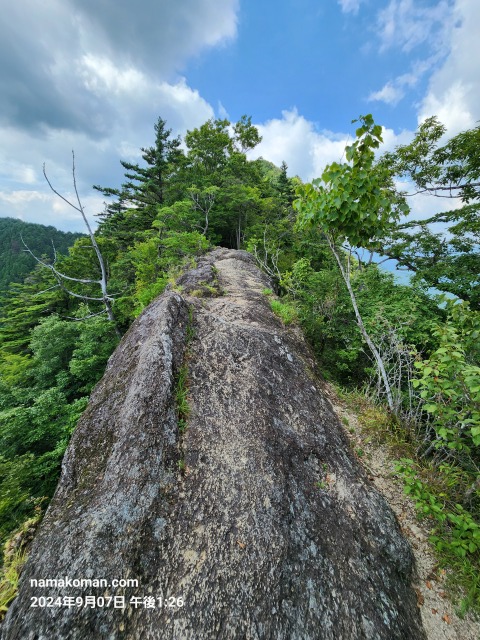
x=255 y=514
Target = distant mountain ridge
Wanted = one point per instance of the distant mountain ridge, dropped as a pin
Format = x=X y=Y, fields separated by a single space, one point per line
x=15 y=263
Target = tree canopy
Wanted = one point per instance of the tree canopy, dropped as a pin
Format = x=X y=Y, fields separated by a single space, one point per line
x=15 y=262
x=442 y=250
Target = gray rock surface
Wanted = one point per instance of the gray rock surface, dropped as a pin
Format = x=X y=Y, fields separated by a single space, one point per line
x=256 y=515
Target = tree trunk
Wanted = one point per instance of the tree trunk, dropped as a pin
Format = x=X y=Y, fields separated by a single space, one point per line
x=366 y=337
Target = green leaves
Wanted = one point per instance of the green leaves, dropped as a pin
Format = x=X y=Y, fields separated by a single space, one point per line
x=446 y=258
x=450 y=383
x=460 y=533
x=354 y=201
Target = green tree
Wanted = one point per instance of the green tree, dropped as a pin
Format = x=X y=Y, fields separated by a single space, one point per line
x=52 y=343
x=209 y=147
x=22 y=307
x=450 y=378
x=284 y=186
x=449 y=259
x=221 y=181
x=213 y=145
x=146 y=187
x=94 y=343
x=353 y=202
x=246 y=136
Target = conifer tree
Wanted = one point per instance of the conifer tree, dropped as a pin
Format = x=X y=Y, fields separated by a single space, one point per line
x=146 y=187
x=284 y=185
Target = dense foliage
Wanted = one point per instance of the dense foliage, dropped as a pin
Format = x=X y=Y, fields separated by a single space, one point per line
x=15 y=262
x=449 y=261
x=422 y=355
x=431 y=386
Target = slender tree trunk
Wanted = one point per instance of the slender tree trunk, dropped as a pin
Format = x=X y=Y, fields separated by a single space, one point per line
x=239 y=231
x=368 y=340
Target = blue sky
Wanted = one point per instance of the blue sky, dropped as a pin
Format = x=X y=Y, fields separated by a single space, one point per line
x=94 y=76
x=304 y=54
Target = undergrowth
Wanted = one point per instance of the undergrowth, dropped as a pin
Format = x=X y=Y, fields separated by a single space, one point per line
x=15 y=554
x=182 y=405
x=181 y=399
x=286 y=311
x=437 y=490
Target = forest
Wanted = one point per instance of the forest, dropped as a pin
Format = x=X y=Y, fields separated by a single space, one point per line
x=15 y=262
x=409 y=346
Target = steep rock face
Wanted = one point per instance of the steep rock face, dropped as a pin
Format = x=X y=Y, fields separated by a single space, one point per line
x=256 y=515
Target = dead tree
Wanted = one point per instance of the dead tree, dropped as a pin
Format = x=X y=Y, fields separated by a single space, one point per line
x=62 y=279
x=203 y=201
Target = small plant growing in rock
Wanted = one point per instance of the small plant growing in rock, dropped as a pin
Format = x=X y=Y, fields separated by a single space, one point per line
x=183 y=408
x=286 y=312
x=182 y=466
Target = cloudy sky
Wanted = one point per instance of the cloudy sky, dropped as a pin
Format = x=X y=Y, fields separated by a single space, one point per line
x=94 y=75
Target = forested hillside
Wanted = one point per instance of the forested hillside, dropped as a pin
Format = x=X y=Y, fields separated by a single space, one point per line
x=417 y=353
x=15 y=262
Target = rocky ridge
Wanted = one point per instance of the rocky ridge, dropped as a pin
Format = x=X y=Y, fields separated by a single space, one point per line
x=254 y=513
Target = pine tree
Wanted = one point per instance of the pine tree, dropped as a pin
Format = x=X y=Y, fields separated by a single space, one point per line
x=284 y=186
x=146 y=187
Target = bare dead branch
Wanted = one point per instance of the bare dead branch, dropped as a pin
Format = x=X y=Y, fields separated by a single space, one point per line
x=106 y=298
x=269 y=263
x=55 y=286
x=53 y=270
x=78 y=295
x=57 y=193
x=450 y=188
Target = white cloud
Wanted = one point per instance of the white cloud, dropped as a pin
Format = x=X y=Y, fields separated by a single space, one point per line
x=102 y=75
x=452 y=105
x=97 y=160
x=448 y=31
x=406 y=24
x=295 y=139
x=392 y=139
x=454 y=88
x=16 y=172
x=222 y=112
x=157 y=35
x=350 y=6
x=389 y=93
x=395 y=90
x=49 y=209
x=305 y=149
